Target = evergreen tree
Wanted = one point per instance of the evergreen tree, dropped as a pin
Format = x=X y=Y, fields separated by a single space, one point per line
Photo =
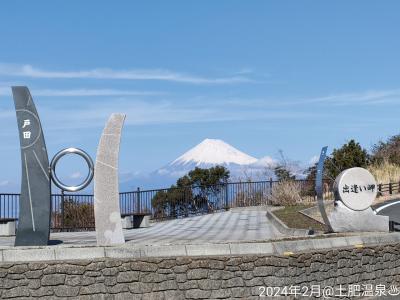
x=282 y=174
x=182 y=198
x=350 y=155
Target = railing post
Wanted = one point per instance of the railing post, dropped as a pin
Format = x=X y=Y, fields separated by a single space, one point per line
x=270 y=190
x=138 y=200
x=390 y=188
x=270 y=185
x=186 y=203
x=62 y=210
x=226 y=197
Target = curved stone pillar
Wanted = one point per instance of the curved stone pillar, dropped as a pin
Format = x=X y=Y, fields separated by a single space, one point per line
x=34 y=202
x=106 y=185
x=319 y=188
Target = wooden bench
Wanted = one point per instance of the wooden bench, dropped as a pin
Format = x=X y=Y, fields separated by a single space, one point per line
x=137 y=218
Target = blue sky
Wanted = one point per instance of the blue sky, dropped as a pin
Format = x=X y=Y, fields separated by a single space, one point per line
x=260 y=75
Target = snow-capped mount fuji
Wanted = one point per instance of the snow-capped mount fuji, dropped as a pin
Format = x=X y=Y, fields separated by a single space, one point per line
x=210 y=153
x=213 y=152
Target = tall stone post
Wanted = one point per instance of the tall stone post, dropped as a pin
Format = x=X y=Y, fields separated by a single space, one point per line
x=34 y=202
x=106 y=184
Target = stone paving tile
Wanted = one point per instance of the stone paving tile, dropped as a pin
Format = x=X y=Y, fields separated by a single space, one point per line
x=238 y=225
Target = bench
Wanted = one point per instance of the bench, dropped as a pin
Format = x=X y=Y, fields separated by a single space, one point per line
x=7 y=226
x=135 y=220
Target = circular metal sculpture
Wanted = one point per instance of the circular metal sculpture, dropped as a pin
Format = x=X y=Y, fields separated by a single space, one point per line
x=356 y=188
x=81 y=153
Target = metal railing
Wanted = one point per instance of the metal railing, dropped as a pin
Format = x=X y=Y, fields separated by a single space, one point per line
x=389 y=188
x=9 y=204
x=72 y=212
x=75 y=212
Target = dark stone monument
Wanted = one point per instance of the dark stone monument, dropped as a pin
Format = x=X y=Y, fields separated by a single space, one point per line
x=34 y=204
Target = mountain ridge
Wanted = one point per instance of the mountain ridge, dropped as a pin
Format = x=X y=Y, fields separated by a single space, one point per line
x=210 y=153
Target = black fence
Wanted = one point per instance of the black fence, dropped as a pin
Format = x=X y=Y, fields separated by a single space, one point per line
x=9 y=206
x=72 y=212
x=186 y=202
x=389 y=188
x=75 y=212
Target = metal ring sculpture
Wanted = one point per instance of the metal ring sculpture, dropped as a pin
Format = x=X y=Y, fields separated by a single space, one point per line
x=79 y=152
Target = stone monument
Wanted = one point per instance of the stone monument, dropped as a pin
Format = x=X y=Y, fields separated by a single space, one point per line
x=355 y=189
x=34 y=202
x=35 y=199
x=106 y=187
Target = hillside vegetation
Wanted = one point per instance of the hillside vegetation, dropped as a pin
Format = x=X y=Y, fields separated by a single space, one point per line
x=383 y=161
x=385 y=171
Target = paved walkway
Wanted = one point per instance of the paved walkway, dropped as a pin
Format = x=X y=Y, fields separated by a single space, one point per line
x=236 y=225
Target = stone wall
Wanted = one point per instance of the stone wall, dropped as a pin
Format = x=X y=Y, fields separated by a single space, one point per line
x=217 y=277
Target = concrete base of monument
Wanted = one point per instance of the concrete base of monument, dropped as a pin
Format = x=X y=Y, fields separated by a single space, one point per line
x=132 y=250
x=129 y=222
x=7 y=228
x=126 y=222
x=343 y=219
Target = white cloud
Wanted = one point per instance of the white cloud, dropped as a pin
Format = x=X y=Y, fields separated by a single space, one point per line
x=313 y=160
x=76 y=175
x=356 y=99
x=86 y=114
x=373 y=97
x=5 y=183
x=6 y=91
x=8 y=186
x=133 y=74
x=267 y=161
x=7 y=113
x=58 y=116
x=157 y=112
x=369 y=97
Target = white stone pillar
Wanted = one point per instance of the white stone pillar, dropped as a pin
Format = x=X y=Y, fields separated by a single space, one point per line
x=106 y=185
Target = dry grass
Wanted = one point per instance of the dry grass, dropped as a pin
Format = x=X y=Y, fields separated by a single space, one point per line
x=385 y=172
x=286 y=193
x=294 y=219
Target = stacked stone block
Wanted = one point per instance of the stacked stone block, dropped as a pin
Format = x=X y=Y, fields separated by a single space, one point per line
x=212 y=277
